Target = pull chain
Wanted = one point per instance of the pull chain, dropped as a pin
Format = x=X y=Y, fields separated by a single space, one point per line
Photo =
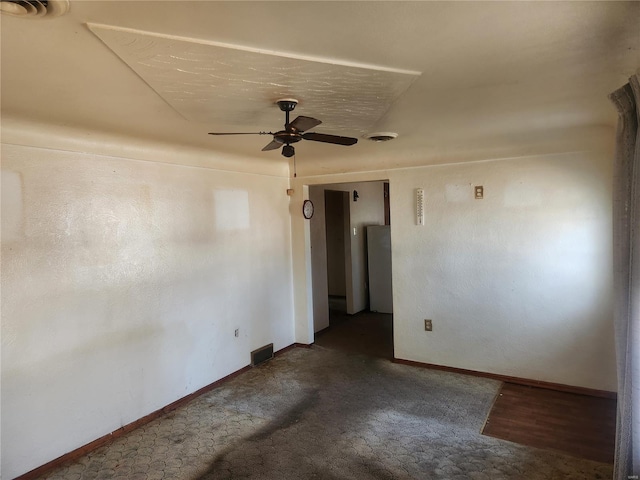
x=295 y=174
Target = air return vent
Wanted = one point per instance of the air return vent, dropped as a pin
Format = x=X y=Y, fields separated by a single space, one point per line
x=262 y=354
x=34 y=8
x=381 y=136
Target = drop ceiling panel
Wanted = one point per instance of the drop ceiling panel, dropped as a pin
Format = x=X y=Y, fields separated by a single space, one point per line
x=228 y=85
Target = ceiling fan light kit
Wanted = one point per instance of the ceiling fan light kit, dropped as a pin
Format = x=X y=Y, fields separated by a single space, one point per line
x=295 y=131
x=288 y=151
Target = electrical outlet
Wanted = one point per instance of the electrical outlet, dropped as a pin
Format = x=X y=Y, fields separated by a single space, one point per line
x=428 y=326
x=236 y=333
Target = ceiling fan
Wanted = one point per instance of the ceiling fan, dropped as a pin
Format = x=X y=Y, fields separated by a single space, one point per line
x=294 y=131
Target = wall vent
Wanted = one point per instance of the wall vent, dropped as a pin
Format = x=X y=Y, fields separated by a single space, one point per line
x=262 y=354
x=34 y=8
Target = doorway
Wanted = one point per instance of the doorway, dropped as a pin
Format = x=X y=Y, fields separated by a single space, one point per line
x=337 y=221
x=345 y=214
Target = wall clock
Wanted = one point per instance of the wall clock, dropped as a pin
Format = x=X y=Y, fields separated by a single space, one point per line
x=307 y=209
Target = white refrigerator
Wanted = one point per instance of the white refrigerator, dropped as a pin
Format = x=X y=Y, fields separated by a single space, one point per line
x=379 y=259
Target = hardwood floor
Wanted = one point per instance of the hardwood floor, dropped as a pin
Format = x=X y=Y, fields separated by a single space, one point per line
x=365 y=333
x=580 y=425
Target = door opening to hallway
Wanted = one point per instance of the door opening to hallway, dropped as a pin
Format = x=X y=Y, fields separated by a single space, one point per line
x=347 y=291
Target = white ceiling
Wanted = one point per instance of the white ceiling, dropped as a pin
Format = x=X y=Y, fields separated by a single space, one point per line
x=496 y=78
x=205 y=81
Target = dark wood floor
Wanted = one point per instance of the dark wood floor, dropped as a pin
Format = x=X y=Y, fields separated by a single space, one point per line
x=365 y=333
x=580 y=425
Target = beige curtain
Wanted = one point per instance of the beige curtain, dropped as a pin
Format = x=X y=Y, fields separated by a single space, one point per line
x=626 y=244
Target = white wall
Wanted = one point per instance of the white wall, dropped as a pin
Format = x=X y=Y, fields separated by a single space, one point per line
x=122 y=284
x=518 y=283
x=368 y=210
x=318 y=248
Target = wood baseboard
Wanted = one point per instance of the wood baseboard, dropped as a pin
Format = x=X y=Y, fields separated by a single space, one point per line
x=517 y=380
x=284 y=350
x=108 y=438
x=322 y=331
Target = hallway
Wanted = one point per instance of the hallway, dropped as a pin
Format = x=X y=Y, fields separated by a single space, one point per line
x=366 y=333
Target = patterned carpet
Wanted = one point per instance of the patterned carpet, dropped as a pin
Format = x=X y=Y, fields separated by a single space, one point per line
x=321 y=413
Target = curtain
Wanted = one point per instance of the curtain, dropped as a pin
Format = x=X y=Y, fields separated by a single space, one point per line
x=626 y=245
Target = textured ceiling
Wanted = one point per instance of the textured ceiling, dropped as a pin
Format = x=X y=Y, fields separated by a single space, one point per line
x=205 y=81
x=498 y=79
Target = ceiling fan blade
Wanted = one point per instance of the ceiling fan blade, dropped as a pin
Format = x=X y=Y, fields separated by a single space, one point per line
x=302 y=123
x=240 y=133
x=272 y=146
x=321 y=137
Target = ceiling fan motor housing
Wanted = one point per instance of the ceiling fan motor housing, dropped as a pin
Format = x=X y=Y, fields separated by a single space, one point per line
x=287 y=137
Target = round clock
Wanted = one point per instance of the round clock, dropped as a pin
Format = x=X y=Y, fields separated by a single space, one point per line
x=307 y=209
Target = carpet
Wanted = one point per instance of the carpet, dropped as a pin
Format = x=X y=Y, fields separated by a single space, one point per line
x=323 y=414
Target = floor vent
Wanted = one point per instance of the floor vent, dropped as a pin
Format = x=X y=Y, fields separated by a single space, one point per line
x=262 y=354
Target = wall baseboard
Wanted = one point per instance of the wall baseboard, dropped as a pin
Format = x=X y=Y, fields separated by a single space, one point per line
x=108 y=438
x=322 y=331
x=520 y=381
x=284 y=350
